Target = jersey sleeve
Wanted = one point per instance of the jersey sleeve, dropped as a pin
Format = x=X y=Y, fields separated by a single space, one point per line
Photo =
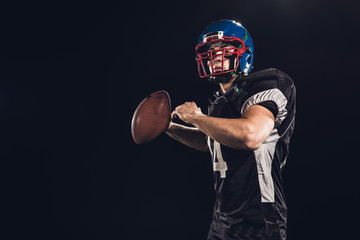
x=276 y=87
x=271 y=106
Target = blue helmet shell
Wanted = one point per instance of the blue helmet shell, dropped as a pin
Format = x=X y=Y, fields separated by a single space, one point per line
x=232 y=28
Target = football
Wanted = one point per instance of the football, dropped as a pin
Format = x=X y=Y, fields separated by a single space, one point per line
x=151 y=117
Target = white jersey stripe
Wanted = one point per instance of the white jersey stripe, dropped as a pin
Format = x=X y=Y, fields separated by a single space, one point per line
x=264 y=157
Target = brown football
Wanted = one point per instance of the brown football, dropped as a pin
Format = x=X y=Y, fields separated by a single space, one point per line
x=151 y=117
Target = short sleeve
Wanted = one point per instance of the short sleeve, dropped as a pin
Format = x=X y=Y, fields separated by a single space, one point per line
x=271 y=106
x=274 y=95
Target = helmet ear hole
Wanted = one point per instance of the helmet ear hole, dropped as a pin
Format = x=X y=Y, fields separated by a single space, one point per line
x=249 y=58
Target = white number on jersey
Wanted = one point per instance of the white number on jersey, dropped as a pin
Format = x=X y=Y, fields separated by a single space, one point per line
x=218 y=162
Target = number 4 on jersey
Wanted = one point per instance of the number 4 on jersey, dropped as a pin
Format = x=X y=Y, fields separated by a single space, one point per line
x=218 y=162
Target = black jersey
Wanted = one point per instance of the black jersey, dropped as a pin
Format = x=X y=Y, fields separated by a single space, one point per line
x=250 y=202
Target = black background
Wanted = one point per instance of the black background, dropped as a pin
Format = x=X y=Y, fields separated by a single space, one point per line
x=72 y=75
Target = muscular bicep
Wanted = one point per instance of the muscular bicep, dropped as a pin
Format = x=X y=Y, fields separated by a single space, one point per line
x=262 y=121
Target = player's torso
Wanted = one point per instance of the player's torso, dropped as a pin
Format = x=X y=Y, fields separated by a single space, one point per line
x=236 y=172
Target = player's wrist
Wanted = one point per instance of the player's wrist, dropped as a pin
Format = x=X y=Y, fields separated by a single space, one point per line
x=197 y=118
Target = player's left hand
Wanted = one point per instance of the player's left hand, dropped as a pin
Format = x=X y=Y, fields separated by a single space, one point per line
x=186 y=112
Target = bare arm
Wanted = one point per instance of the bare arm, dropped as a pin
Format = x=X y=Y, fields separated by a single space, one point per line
x=190 y=136
x=247 y=132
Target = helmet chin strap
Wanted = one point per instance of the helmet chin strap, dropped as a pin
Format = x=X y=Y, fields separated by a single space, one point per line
x=224 y=78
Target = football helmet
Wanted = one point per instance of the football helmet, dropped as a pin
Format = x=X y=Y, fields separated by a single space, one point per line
x=224 y=39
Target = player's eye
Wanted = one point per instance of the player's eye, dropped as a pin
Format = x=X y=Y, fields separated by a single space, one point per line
x=229 y=51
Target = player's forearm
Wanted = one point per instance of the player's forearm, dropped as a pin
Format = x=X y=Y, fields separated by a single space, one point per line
x=235 y=133
x=188 y=136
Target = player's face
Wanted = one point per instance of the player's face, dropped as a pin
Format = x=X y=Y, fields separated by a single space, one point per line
x=217 y=65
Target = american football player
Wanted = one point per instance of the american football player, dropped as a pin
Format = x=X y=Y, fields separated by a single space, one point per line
x=247 y=130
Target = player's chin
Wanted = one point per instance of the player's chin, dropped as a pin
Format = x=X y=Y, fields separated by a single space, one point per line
x=218 y=70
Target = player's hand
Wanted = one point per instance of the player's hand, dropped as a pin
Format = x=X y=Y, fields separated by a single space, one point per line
x=186 y=112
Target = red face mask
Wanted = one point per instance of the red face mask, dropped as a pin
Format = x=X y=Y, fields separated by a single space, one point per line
x=211 y=62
